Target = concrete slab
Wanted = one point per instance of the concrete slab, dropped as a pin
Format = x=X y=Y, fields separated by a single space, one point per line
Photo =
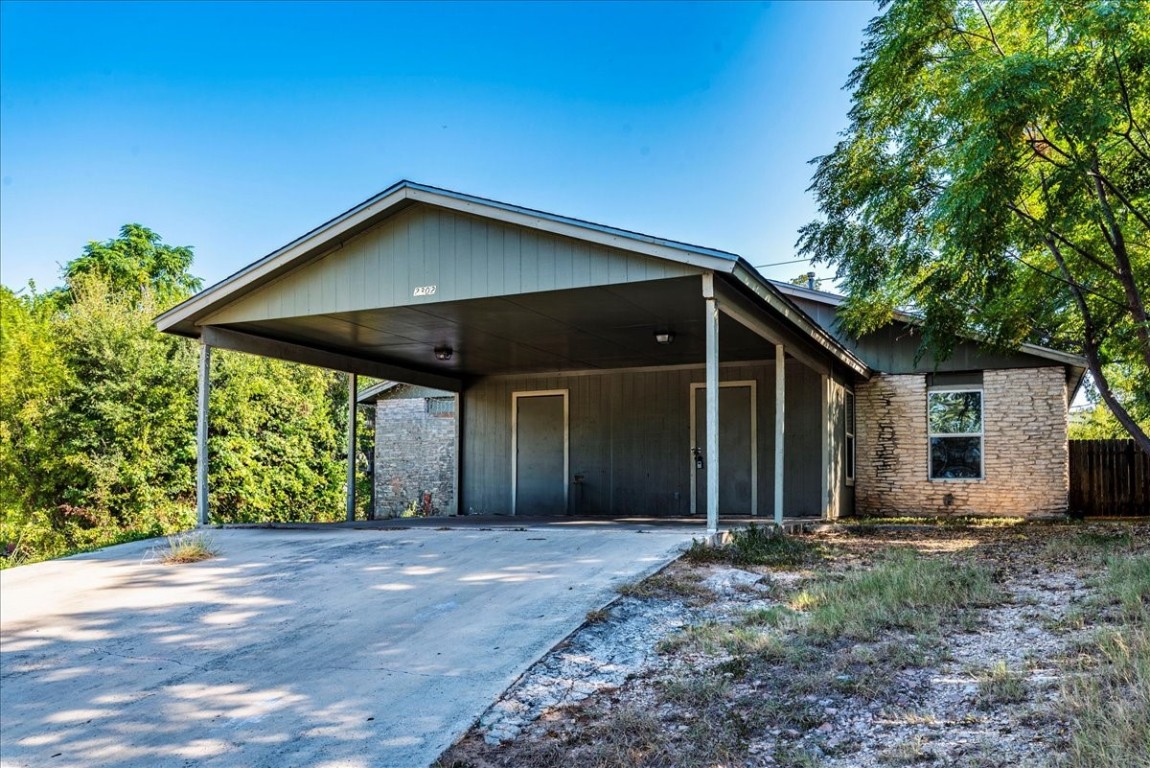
x=323 y=648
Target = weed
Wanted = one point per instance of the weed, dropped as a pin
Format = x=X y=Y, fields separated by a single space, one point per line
x=903 y=591
x=1127 y=582
x=696 y=693
x=188 y=547
x=666 y=585
x=1107 y=695
x=1000 y=685
x=1087 y=545
x=791 y=757
x=597 y=615
x=774 y=616
x=757 y=545
x=909 y=752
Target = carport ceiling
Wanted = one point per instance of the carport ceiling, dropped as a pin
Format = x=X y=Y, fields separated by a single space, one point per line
x=582 y=329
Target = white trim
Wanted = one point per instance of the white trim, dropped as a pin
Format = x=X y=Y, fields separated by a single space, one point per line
x=827 y=441
x=850 y=447
x=754 y=387
x=780 y=430
x=515 y=441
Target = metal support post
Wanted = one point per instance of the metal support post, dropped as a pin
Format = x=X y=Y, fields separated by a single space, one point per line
x=202 y=435
x=352 y=396
x=780 y=422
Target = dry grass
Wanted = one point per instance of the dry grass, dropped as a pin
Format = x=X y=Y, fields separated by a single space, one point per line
x=1107 y=694
x=188 y=547
x=999 y=684
x=903 y=591
x=597 y=615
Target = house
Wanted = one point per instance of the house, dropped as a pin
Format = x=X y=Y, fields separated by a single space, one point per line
x=413 y=464
x=597 y=371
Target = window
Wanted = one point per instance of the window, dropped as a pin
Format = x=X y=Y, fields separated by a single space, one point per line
x=849 y=443
x=954 y=421
x=440 y=406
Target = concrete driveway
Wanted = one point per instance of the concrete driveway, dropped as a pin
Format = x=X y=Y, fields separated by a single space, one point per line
x=294 y=647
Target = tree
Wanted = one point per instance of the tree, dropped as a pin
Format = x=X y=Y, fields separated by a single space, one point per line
x=135 y=263
x=97 y=413
x=995 y=179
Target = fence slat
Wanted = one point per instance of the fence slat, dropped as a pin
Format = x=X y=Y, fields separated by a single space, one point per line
x=1109 y=477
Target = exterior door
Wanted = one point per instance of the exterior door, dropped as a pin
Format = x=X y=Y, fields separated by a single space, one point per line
x=540 y=447
x=737 y=450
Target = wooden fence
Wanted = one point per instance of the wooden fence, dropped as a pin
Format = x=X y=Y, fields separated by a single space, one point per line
x=1109 y=477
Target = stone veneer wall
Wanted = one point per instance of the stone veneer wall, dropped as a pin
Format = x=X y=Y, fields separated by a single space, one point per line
x=414 y=455
x=1025 y=454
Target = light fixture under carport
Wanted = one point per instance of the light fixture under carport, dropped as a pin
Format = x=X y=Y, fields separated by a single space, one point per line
x=444 y=352
x=664 y=337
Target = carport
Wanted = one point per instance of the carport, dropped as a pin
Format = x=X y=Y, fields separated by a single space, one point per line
x=596 y=371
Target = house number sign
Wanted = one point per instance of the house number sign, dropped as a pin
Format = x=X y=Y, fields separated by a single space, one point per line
x=424 y=290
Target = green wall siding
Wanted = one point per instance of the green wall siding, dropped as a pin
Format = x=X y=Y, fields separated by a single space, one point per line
x=463 y=256
x=892 y=349
x=630 y=439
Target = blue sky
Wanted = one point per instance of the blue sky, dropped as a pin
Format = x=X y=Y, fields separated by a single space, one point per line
x=235 y=127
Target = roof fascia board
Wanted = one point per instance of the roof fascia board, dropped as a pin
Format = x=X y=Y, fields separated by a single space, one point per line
x=225 y=338
x=768 y=293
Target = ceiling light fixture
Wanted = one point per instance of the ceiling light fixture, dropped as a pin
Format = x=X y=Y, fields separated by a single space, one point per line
x=444 y=353
x=664 y=337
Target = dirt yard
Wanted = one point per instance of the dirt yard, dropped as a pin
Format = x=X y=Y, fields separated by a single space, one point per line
x=999 y=645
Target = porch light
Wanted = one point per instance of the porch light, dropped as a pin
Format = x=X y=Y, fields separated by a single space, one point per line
x=664 y=337
x=444 y=353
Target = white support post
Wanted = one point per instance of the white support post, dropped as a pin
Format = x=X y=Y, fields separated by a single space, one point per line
x=712 y=367
x=202 y=435
x=780 y=421
x=352 y=396
x=826 y=442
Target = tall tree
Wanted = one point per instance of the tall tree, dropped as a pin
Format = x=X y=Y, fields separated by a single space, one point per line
x=137 y=262
x=995 y=178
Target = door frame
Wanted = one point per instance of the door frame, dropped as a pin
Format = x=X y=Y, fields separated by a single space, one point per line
x=515 y=441
x=754 y=387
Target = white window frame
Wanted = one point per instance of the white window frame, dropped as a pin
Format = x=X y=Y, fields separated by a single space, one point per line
x=981 y=434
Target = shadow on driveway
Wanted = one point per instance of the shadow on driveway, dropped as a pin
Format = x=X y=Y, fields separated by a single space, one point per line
x=330 y=647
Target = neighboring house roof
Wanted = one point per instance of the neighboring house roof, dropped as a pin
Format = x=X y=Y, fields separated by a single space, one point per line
x=186 y=318
x=375 y=391
x=395 y=390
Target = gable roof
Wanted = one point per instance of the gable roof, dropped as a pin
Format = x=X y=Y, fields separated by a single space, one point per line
x=186 y=318
x=400 y=196
x=836 y=300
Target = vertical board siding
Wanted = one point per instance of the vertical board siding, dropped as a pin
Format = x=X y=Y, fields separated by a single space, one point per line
x=630 y=440
x=1109 y=477
x=464 y=256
